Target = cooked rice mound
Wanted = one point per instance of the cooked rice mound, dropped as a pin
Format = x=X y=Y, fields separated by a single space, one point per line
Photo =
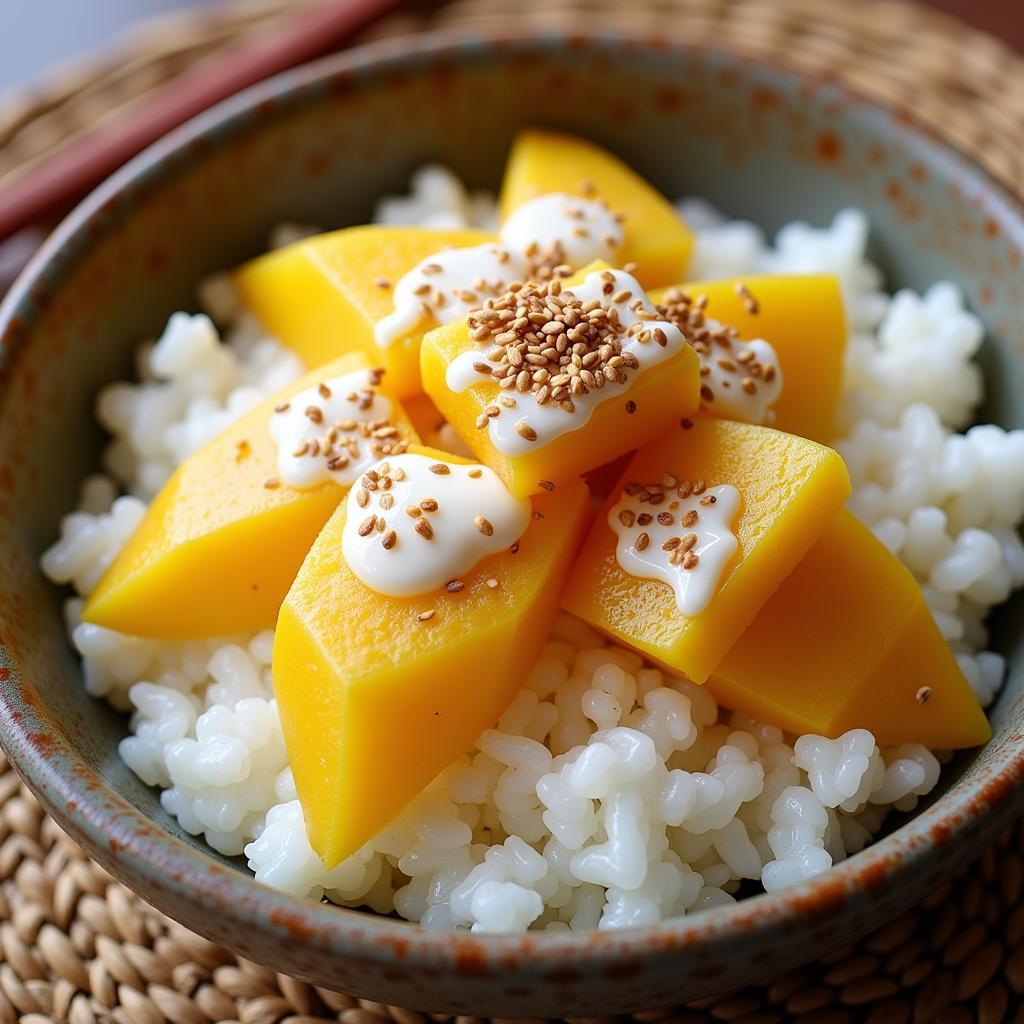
x=610 y=793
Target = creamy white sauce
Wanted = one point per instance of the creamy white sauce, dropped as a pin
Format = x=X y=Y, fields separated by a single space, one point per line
x=737 y=394
x=469 y=515
x=446 y=286
x=714 y=543
x=550 y=421
x=583 y=229
x=353 y=408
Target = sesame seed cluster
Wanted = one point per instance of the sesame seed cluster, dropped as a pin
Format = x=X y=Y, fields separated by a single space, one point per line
x=717 y=344
x=544 y=341
x=673 y=491
x=348 y=439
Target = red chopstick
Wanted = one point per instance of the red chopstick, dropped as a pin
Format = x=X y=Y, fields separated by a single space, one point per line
x=57 y=181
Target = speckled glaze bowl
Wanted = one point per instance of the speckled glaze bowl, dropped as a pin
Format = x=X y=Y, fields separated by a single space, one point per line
x=319 y=145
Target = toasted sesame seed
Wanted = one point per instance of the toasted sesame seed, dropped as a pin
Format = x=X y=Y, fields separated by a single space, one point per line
x=389 y=540
x=923 y=694
x=382 y=282
x=547 y=485
x=749 y=301
x=666 y=518
x=362 y=497
x=424 y=529
x=688 y=542
x=454 y=586
x=670 y=544
x=282 y=406
x=323 y=390
x=483 y=524
x=429 y=504
x=475 y=474
x=414 y=511
x=690 y=519
x=708 y=499
x=426 y=616
x=690 y=561
x=524 y=430
x=386 y=501
x=367 y=526
x=644 y=519
x=642 y=541
x=399 y=474
x=440 y=468
x=492 y=583
x=686 y=424
x=627 y=518
x=272 y=483
x=631 y=407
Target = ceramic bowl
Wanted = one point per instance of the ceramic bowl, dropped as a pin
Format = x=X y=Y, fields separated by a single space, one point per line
x=319 y=145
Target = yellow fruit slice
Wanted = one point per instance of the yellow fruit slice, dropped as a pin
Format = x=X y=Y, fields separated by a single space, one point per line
x=847 y=642
x=653 y=398
x=789 y=488
x=374 y=702
x=802 y=317
x=322 y=296
x=656 y=238
x=218 y=548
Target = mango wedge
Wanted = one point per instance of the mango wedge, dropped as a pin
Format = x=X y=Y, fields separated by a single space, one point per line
x=656 y=238
x=847 y=642
x=803 y=318
x=218 y=548
x=374 y=702
x=322 y=296
x=790 y=489
x=653 y=398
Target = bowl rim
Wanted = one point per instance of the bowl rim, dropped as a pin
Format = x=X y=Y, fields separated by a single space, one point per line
x=148 y=858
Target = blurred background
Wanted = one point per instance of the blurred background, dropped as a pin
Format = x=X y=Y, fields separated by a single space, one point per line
x=86 y=84
x=35 y=34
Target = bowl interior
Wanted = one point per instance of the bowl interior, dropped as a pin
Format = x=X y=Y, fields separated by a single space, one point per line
x=320 y=147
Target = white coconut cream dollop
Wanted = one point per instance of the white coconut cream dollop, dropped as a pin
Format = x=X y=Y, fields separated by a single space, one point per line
x=563 y=229
x=414 y=524
x=530 y=423
x=334 y=430
x=553 y=229
x=677 y=532
x=446 y=286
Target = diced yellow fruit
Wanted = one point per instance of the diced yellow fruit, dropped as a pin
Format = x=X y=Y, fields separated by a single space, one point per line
x=374 y=702
x=803 y=318
x=651 y=400
x=322 y=296
x=847 y=642
x=656 y=238
x=790 y=489
x=218 y=549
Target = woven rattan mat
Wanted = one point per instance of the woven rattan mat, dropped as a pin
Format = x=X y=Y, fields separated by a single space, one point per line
x=79 y=947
